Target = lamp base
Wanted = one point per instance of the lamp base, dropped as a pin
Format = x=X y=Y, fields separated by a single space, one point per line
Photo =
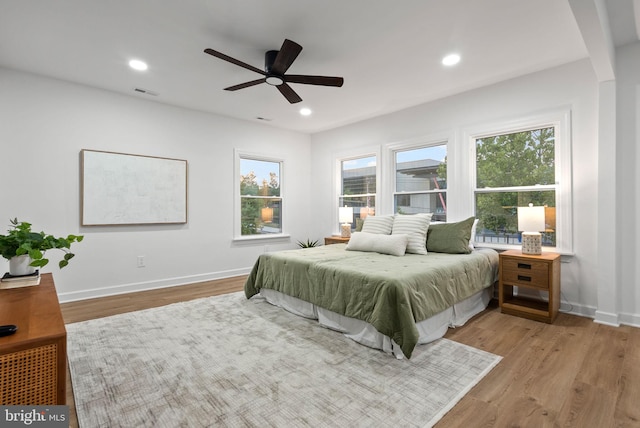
x=531 y=243
x=345 y=230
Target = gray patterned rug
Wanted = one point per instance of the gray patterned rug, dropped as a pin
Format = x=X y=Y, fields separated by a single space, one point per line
x=230 y=362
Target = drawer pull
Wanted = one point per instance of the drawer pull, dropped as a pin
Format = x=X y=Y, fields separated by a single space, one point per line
x=524 y=266
x=524 y=278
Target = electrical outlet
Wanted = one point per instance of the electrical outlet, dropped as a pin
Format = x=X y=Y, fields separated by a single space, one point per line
x=140 y=261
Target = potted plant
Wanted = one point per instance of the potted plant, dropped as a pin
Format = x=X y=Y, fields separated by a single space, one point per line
x=25 y=249
x=308 y=244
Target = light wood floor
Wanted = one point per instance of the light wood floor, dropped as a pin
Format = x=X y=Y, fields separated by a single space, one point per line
x=574 y=373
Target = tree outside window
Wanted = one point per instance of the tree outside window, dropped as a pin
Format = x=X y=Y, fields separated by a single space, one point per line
x=514 y=170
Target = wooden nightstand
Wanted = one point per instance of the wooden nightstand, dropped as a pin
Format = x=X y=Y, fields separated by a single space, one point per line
x=335 y=240
x=533 y=272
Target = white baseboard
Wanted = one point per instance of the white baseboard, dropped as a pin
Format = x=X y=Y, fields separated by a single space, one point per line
x=630 y=319
x=576 y=309
x=607 y=318
x=148 y=285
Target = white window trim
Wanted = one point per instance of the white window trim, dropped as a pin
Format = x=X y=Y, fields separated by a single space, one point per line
x=389 y=172
x=337 y=174
x=561 y=120
x=237 y=236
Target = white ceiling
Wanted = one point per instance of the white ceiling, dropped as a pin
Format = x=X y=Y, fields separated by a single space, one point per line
x=388 y=52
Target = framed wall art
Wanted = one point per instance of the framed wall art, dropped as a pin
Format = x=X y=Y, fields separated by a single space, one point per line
x=128 y=189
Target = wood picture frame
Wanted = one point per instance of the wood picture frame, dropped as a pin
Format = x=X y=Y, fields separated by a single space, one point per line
x=129 y=189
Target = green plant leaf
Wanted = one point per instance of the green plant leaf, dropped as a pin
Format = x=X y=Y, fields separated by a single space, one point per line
x=39 y=263
x=35 y=254
x=62 y=263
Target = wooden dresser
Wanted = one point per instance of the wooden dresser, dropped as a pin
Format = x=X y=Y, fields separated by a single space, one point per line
x=33 y=361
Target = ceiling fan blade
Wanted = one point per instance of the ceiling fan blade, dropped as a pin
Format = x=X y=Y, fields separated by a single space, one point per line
x=314 y=80
x=234 y=61
x=287 y=54
x=289 y=93
x=244 y=85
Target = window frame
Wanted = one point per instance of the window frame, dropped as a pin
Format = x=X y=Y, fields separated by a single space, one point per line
x=560 y=120
x=420 y=143
x=237 y=215
x=346 y=156
x=389 y=173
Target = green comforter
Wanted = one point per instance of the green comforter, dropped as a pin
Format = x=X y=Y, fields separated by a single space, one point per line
x=391 y=293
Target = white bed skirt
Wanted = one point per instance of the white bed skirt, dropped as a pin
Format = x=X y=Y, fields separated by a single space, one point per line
x=362 y=332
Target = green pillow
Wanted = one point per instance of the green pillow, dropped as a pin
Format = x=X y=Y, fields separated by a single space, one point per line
x=452 y=238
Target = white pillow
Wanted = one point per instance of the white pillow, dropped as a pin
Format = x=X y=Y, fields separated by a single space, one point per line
x=381 y=224
x=394 y=245
x=472 y=240
x=415 y=226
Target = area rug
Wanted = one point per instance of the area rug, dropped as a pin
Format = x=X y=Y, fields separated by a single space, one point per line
x=231 y=362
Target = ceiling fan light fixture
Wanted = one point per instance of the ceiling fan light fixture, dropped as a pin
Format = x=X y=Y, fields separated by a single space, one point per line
x=305 y=111
x=276 y=65
x=274 y=80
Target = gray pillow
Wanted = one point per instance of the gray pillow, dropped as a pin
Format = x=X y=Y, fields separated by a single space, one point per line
x=452 y=238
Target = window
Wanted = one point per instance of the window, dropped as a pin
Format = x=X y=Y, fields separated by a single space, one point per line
x=260 y=196
x=421 y=181
x=514 y=170
x=487 y=170
x=358 y=186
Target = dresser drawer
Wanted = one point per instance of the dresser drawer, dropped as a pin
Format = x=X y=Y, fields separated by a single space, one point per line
x=527 y=273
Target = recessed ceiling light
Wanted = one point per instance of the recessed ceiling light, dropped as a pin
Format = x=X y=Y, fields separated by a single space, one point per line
x=136 y=64
x=305 y=111
x=451 y=59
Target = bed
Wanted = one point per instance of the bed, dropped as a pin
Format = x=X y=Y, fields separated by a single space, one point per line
x=380 y=300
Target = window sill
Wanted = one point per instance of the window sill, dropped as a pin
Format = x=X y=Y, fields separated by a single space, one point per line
x=254 y=239
x=504 y=247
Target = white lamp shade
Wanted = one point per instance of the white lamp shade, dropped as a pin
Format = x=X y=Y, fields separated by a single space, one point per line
x=266 y=214
x=531 y=219
x=345 y=214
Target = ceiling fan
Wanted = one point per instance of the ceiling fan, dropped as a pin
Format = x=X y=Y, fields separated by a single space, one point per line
x=276 y=64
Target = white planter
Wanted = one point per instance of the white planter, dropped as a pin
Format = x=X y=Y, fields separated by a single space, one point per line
x=19 y=265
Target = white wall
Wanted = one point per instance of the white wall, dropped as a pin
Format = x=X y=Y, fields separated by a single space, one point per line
x=628 y=178
x=44 y=123
x=573 y=86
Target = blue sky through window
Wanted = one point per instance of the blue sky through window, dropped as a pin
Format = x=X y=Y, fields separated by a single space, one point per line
x=260 y=168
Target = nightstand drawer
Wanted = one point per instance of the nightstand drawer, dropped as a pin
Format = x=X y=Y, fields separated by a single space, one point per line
x=528 y=273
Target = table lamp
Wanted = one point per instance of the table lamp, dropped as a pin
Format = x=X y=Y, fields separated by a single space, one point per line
x=345 y=216
x=266 y=214
x=531 y=222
